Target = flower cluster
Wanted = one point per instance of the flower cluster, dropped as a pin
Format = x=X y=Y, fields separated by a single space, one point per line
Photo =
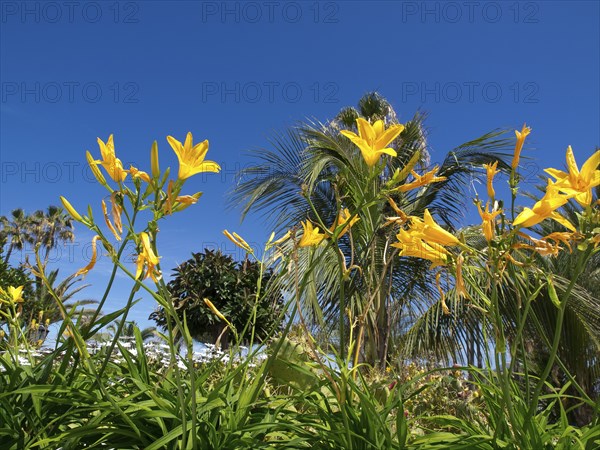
x=148 y=193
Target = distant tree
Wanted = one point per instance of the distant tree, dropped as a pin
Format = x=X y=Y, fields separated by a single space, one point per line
x=48 y=228
x=15 y=231
x=14 y=276
x=231 y=287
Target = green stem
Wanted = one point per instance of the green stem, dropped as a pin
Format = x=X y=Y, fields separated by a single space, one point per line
x=557 y=335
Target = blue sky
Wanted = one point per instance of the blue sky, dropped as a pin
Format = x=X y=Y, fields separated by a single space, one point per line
x=234 y=72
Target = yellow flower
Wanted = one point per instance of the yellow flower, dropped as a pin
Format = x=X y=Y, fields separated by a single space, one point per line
x=191 y=157
x=92 y=263
x=565 y=237
x=519 y=145
x=15 y=294
x=108 y=222
x=147 y=257
x=576 y=183
x=459 y=286
x=488 y=220
x=428 y=230
x=155 y=168
x=491 y=170
x=372 y=140
x=344 y=218
x=411 y=245
x=238 y=240
x=445 y=309
x=311 y=235
x=112 y=164
x=215 y=311
x=545 y=209
x=421 y=180
x=72 y=212
x=135 y=173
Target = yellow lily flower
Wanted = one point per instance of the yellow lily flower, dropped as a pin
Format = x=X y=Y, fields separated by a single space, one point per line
x=115 y=211
x=135 y=173
x=428 y=230
x=411 y=245
x=15 y=294
x=540 y=246
x=344 y=218
x=154 y=166
x=565 y=237
x=147 y=257
x=311 y=236
x=372 y=140
x=545 y=209
x=488 y=221
x=491 y=170
x=191 y=157
x=112 y=164
x=459 y=285
x=108 y=222
x=519 y=145
x=92 y=263
x=421 y=180
x=72 y=211
x=578 y=183
x=239 y=241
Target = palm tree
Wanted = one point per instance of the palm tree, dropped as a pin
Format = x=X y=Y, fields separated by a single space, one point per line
x=16 y=230
x=128 y=331
x=52 y=227
x=48 y=228
x=315 y=160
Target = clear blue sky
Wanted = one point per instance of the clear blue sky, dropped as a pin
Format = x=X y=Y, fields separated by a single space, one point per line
x=232 y=72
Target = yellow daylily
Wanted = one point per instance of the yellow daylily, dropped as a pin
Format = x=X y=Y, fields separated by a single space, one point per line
x=411 y=245
x=148 y=258
x=115 y=210
x=373 y=140
x=488 y=220
x=15 y=294
x=108 y=222
x=135 y=173
x=191 y=157
x=459 y=285
x=521 y=135
x=344 y=218
x=565 y=237
x=311 y=236
x=545 y=209
x=575 y=182
x=428 y=230
x=112 y=164
x=491 y=171
x=154 y=166
x=216 y=312
x=72 y=211
x=421 y=180
x=238 y=240
x=92 y=263
x=540 y=246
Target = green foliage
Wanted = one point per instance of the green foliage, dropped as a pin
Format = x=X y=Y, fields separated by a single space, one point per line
x=14 y=276
x=231 y=286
